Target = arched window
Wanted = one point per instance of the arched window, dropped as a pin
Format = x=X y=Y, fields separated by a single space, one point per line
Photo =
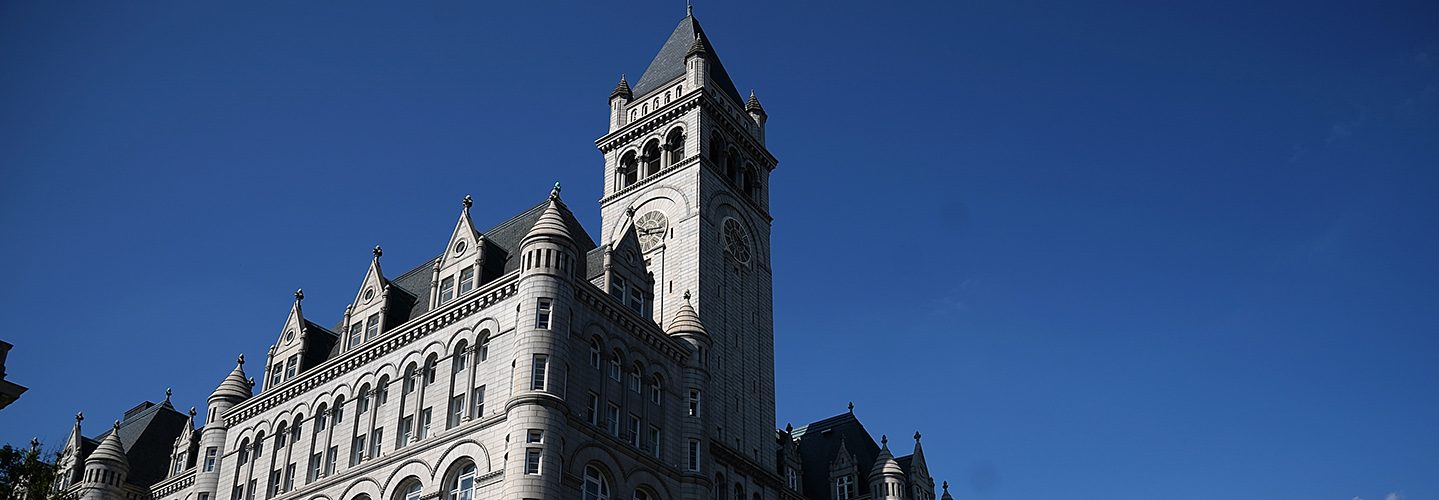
x=321 y=415
x=657 y=388
x=429 y=375
x=750 y=184
x=382 y=391
x=675 y=145
x=362 y=400
x=629 y=170
x=462 y=487
x=482 y=351
x=721 y=488
x=635 y=375
x=651 y=157
x=595 y=354
x=295 y=429
x=717 y=152
x=338 y=413
x=244 y=454
x=641 y=494
x=461 y=357
x=732 y=168
x=667 y=97
x=280 y=436
x=616 y=360
x=596 y=486
x=738 y=491
x=409 y=490
x=259 y=445
x=408 y=385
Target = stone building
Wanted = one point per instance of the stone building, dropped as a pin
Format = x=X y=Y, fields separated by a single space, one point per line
x=529 y=360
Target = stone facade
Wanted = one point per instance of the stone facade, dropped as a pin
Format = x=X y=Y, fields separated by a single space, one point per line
x=530 y=362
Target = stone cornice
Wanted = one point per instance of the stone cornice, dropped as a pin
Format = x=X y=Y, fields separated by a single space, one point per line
x=650 y=179
x=649 y=123
x=173 y=484
x=723 y=453
x=403 y=335
x=632 y=323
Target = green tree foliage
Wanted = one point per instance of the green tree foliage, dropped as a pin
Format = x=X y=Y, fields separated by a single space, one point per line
x=26 y=475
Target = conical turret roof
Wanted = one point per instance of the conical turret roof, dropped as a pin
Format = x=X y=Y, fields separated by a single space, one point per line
x=753 y=104
x=551 y=222
x=946 y=496
x=235 y=387
x=622 y=90
x=686 y=320
x=885 y=464
x=111 y=450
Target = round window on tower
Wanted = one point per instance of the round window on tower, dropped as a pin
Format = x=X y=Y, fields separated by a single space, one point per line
x=736 y=242
x=369 y=294
x=460 y=247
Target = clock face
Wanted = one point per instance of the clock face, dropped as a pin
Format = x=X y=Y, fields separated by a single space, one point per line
x=736 y=242
x=651 y=229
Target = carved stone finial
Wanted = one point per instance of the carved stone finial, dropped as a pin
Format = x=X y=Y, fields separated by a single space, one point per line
x=251 y=381
x=946 y=486
x=788 y=428
x=79 y=417
x=378 y=251
x=630 y=211
x=167 y=394
x=687 y=295
x=241 y=359
x=884 y=440
x=192 y=411
x=299 y=294
x=555 y=193
x=117 y=425
x=468 y=202
x=916 y=436
x=689 y=8
x=851 y=406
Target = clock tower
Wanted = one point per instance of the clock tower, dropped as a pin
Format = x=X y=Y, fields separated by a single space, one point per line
x=687 y=171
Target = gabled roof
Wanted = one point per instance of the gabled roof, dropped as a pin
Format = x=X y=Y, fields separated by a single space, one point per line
x=669 y=63
x=818 y=443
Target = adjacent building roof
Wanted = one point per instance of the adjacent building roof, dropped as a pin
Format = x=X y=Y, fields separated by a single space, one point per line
x=820 y=441
x=147 y=436
x=669 y=63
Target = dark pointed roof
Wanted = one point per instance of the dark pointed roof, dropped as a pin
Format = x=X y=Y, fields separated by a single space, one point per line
x=669 y=63
x=622 y=90
x=147 y=436
x=820 y=441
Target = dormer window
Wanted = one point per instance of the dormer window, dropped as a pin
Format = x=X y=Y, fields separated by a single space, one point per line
x=447 y=289
x=291 y=365
x=618 y=286
x=277 y=373
x=372 y=326
x=467 y=279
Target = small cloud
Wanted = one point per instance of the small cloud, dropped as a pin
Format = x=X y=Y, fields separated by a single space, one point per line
x=1394 y=495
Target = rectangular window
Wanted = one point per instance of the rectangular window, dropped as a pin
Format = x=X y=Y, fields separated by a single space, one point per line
x=204 y=496
x=541 y=368
x=274 y=486
x=618 y=287
x=694 y=455
x=484 y=351
x=655 y=441
x=356 y=330
x=695 y=403
x=314 y=468
x=637 y=299
x=615 y=367
x=634 y=430
x=655 y=391
x=290 y=477
x=447 y=289
x=592 y=410
x=331 y=456
x=372 y=326
x=210 y=454
x=376 y=438
x=457 y=411
x=542 y=315
x=535 y=436
x=635 y=380
x=277 y=374
x=467 y=279
x=424 y=423
x=532 y=461
x=250 y=490
x=280 y=438
x=478 y=397
x=362 y=403
x=237 y=492
x=382 y=393
x=357 y=450
x=612 y=419
x=407 y=426
x=844 y=488
x=291 y=365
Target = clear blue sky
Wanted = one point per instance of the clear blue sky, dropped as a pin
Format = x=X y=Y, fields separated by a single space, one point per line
x=1093 y=250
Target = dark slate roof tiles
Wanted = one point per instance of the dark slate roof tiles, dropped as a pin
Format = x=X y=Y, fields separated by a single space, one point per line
x=669 y=63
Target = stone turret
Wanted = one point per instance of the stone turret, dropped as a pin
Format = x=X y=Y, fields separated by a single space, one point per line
x=619 y=104
x=235 y=389
x=886 y=479
x=106 y=469
x=756 y=113
x=547 y=268
x=686 y=326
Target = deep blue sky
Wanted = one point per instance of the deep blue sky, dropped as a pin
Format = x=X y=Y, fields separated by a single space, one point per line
x=1093 y=250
